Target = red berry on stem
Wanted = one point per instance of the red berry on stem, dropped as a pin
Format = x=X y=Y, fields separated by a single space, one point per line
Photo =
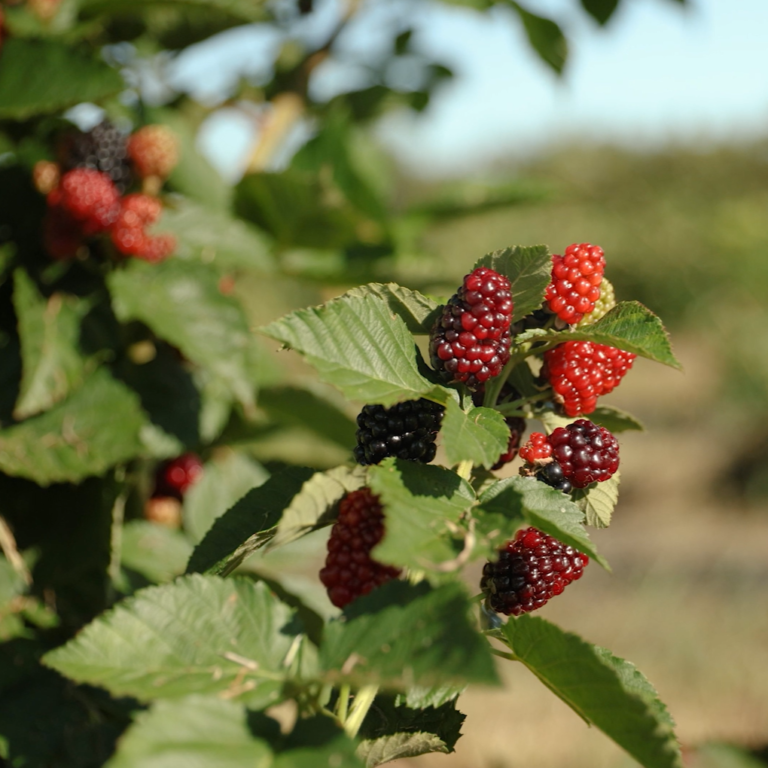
x=586 y=452
x=576 y=278
x=89 y=197
x=175 y=477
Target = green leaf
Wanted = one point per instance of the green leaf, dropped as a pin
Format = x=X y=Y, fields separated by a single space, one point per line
x=317 y=741
x=423 y=506
x=546 y=37
x=52 y=362
x=245 y=10
x=200 y=634
x=209 y=732
x=154 y=551
x=96 y=427
x=479 y=436
x=249 y=524
x=316 y=504
x=615 y=420
x=48 y=76
x=214 y=237
x=357 y=344
x=629 y=326
x=402 y=635
x=715 y=755
x=598 y=501
x=225 y=479
x=417 y=311
x=600 y=10
x=529 y=270
x=606 y=691
x=517 y=500
x=181 y=302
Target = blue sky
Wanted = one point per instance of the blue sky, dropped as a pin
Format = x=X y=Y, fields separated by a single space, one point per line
x=658 y=73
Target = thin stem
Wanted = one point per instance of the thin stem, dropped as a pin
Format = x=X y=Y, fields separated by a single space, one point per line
x=342 y=705
x=11 y=552
x=504 y=655
x=465 y=469
x=360 y=707
x=508 y=409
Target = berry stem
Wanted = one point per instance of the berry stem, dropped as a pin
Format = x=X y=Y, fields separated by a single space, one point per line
x=464 y=469
x=360 y=706
x=504 y=654
x=513 y=408
x=342 y=705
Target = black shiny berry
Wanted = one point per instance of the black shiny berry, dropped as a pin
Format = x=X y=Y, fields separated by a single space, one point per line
x=552 y=474
x=103 y=148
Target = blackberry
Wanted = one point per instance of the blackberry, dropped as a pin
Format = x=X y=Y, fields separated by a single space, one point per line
x=406 y=431
x=470 y=340
x=537 y=450
x=552 y=474
x=586 y=452
x=153 y=150
x=89 y=197
x=516 y=429
x=603 y=305
x=529 y=571
x=581 y=371
x=174 y=478
x=576 y=279
x=103 y=148
x=349 y=571
x=137 y=211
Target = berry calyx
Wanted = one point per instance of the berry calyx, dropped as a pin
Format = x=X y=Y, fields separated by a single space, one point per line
x=406 y=430
x=576 y=278
x=586 y=452
x=516 y=427
x=603 y=305
x=580 y=372
x=89 y=197
x=154 y=151
x=349 y=570
x=470 y=341
x=175 y=477
x=129 y=234
x=530 y=570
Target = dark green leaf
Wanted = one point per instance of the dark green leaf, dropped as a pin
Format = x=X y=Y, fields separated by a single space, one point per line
x=606 y=691
x=200 y=634
x=545 y=36
x=598 y=501
x=417 y=311
x=46 y=76
x=402 y=635
x=249 y=524
x=600 y=10
x=479 y=436
x=424 y=504
x=317 y=741
x=245 y=10
x=96 y=427
x=529 y=270
x=203 y=731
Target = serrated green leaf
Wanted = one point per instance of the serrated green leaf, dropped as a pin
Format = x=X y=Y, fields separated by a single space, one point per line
x=423 y=506
x=214 y=237
x=52 y=363
x=418 y=311
x=315 y=505
x=209 y=732
x=402 y=635
x=598 y=501
x=546 y=37
x=48 y=76
x=200 y=634
x=399 y=746
x=225 y=479
x=360 y=346
x=629 y=326
x=517 y=500
x=479 y=436
x=529 y=270
x=421 y=698
x=181 y=302
x=96 y=427
x=606 y=691
x=614 y=419
x=249 y=524
x=154 y=551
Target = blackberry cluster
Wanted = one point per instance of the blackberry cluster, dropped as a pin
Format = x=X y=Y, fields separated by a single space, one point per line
x=349 y=571
x=576 y=278
x=516 y=429
x=406 y=431
x=103 y=148
x=581 y=371
x=586 y=452
x=470 y=341
x=529 y=571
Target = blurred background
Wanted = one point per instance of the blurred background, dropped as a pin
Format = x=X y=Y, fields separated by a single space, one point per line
x=401 y=140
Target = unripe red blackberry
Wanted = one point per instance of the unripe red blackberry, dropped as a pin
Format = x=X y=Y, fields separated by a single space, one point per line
x=349 y=571
x=129 y=234
x=103 y=148
x=89 y=197
x=153 y=150
x=175 y=477
x=537 y=449
x=406 y=430
x=529 y=571
x=576 y=278
x=581 y=371
x=586 y=452
x=516 y=430
x=470 y=341
x=603 y=305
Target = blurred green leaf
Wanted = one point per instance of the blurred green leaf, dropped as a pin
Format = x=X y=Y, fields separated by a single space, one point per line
x=480 y=435
x=48 y=76
x=317 y=741
x=401 y=635
x=608 y=692
x=721 y=755
x=598 y=501
x=143 y=648
x=96 y=427
x=156 y=552
x=600 y=10
x=245 y=10
x=546 y=37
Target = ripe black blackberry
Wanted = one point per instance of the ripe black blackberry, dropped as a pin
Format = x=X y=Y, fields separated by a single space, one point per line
x=104 y=148
x=552 y=475
x=470 y=340
x=406 y=431
x=529 y=571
